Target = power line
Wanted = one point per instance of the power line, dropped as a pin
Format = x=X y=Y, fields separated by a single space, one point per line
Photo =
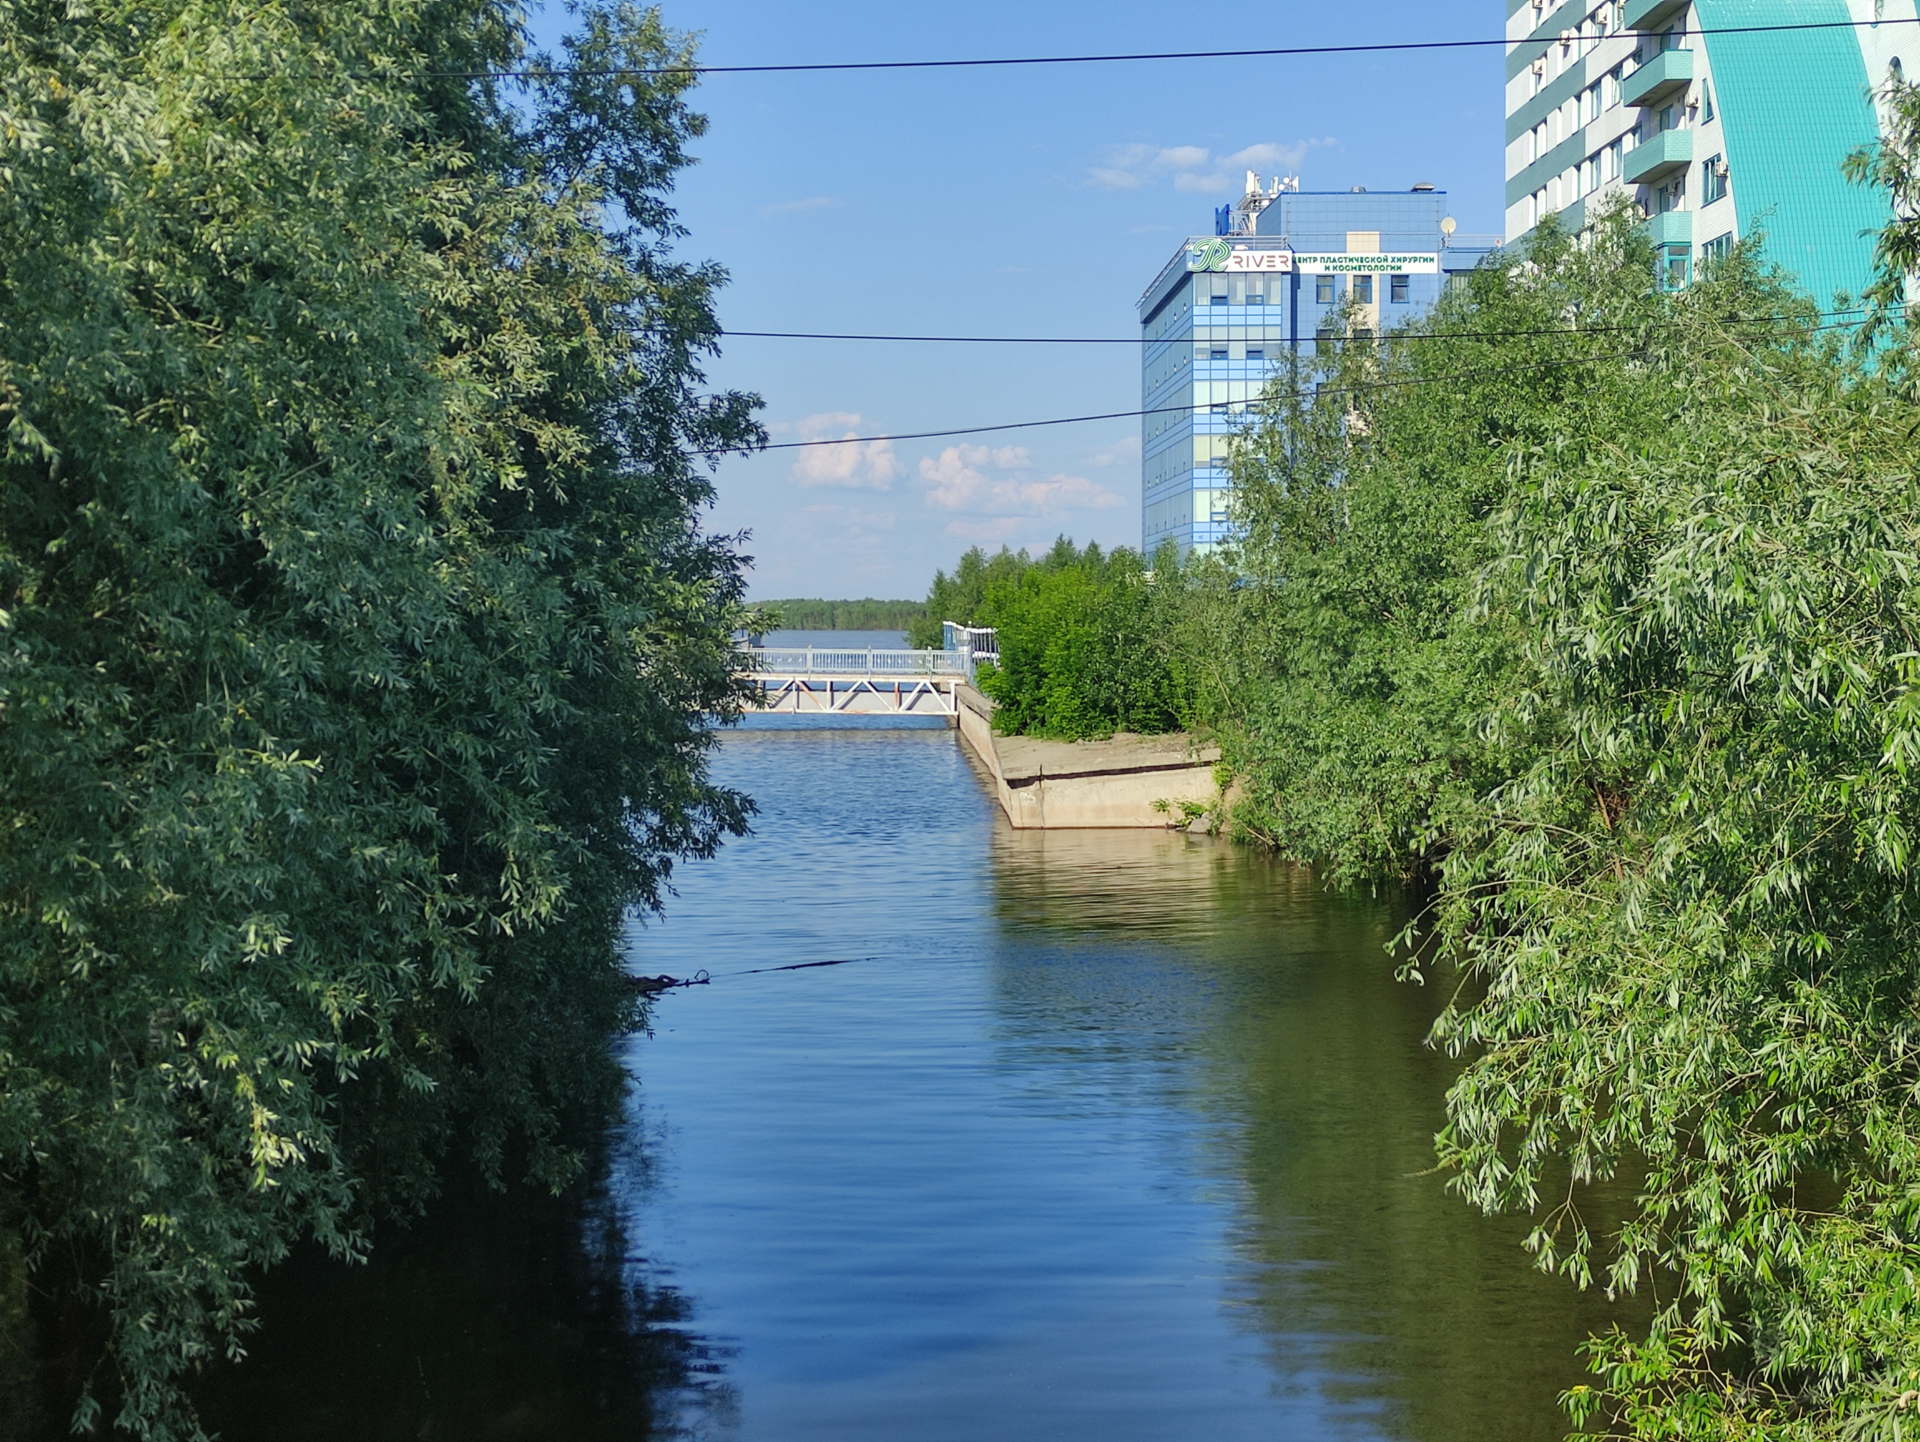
x=1461 y=335
x=1274 y=52
x=1301 y=394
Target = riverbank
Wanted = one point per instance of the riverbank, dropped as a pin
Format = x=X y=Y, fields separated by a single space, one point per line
x=1128 y=782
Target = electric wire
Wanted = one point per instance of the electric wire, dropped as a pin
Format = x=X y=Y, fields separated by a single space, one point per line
x=1299 y=394
x=1459 y=335
x=984 y=62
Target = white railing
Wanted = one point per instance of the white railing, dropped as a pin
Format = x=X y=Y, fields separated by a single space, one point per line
x=866 y=661
x=975 y=643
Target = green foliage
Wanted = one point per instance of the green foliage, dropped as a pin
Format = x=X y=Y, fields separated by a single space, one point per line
x=1889 y=164
x=863 y=615
x=356 y=628
x=1623 y=654
x=1083 y=645
x=1690 y=915
x=1363 y=494
x=962 y=597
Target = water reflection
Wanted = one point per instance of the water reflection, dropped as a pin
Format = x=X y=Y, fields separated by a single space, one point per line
x=1319 y=1103
x=1103 y=1135
x=499 y=1317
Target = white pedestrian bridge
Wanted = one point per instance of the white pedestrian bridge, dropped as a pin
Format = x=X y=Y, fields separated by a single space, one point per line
x=865 y=681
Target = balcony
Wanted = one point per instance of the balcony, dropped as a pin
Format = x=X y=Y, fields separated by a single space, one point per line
x=1673 y=228
x=1652 y=14
x=1661 y=78
x=1652 y=160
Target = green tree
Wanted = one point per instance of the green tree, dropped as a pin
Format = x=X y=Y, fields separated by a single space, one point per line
x=1360 y=669
x=1083 y=643
x=961 y=596
x=1690 y=916
x=1631 y=663
x=357 y=633
x=862 y=615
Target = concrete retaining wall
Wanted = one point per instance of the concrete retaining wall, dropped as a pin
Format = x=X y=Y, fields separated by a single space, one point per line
x=1079 y=785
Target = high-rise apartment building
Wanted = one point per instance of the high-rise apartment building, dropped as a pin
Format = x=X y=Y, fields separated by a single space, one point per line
x=1229 y=308
x=1719 y=127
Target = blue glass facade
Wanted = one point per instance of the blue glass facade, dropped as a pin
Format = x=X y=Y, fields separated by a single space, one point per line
x=1214 y=337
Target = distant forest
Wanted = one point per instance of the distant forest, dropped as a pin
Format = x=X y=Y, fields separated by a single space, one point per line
x=863 y=615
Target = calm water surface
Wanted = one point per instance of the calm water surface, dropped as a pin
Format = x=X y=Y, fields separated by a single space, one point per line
x=1103 y=1135
x=1093 y=1135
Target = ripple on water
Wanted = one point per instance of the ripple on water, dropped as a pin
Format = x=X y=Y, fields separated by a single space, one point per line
x=1112 y=1135
x=1104 y=1134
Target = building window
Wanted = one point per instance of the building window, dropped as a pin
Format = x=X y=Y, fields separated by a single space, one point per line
x=1669 y=118
x=1610 y=88
x=1713 y=180
x=1706 y=101
x=1219 y=352
x=1256 y=352
x=1323 y=290
x=1615 y=154
x=1670 y=38
x=1674 y=268
x=1363 y=289
x=1716 y=249
x=1397 y=289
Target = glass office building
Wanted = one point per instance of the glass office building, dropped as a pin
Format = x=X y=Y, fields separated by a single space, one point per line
x=1228 y=309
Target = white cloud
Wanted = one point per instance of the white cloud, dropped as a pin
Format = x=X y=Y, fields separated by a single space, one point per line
x=849 y=464
x=959 y=480
x=1125 y=451
x=1195 y=168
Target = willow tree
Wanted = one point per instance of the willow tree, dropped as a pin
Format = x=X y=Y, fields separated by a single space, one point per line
x=1605 y=609
x=359 y=639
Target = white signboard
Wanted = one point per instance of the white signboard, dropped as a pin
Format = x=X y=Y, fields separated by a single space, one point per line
x=1263 y=260
x=1343 y=264
x=1221 y=254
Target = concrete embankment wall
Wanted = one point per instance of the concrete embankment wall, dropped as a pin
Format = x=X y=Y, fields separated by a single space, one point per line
x=1083 y=785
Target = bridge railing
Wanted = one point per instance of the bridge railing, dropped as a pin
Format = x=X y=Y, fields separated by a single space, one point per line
x=866 y=661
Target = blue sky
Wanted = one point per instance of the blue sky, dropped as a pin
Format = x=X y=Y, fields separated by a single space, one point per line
x=1020 y=201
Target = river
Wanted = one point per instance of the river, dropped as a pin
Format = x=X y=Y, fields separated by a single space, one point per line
x=1082 y=1135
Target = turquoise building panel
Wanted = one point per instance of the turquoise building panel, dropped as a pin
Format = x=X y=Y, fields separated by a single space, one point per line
x=1792 y=106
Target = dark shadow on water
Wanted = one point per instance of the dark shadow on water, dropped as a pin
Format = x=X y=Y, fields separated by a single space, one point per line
x=1323 y=1099
x=495 y=1317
